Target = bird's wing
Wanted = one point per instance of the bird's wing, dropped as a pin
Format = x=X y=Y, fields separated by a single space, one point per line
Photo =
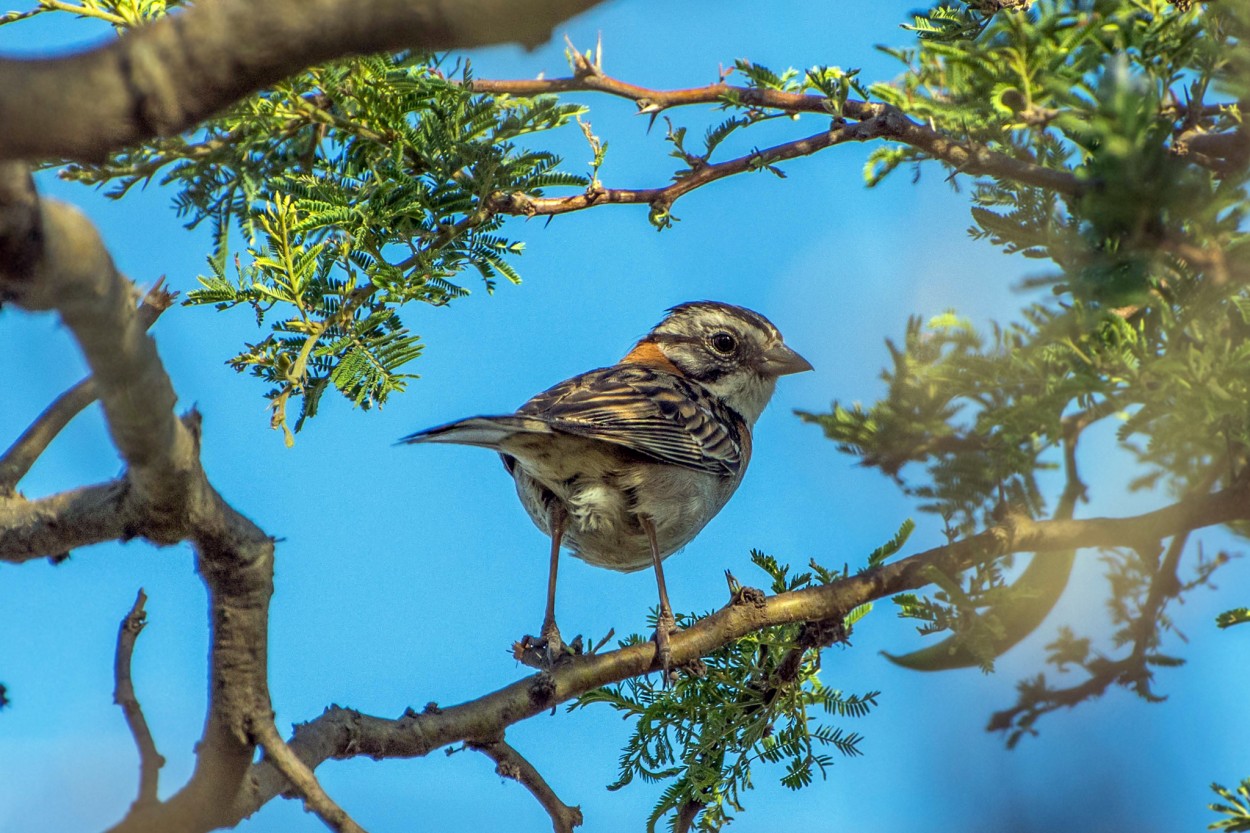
x=649 y=411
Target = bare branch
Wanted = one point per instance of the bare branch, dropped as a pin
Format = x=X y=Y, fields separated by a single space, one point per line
x=302 y=779
x=16 y=462
x=512 y=764
x=150 y=760
x=340 y=733
x=892 y=123
x=168 y=76
x=52 y=526
x=661 y=199
x=57 y=262
x=69 y=270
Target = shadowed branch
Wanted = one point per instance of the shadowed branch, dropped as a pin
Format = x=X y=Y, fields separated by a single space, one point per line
x=167 y=76
x=512 y=764
x=1131 y=670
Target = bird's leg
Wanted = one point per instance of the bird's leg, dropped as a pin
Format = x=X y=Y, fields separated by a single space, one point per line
x=666 y=622
x=550 y=634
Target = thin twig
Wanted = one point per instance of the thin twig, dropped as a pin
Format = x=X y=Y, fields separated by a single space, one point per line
x=302 y=779
x=512 y=764
x=150 y=760
x=966 y=157
x=16 y=462
x=661 y=199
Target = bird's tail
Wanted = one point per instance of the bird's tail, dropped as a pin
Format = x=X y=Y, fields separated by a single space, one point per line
x=483 y=431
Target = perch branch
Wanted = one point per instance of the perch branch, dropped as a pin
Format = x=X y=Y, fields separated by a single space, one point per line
x=512 y=764
x=302 y=779
x=150 y=760
x=341 y=733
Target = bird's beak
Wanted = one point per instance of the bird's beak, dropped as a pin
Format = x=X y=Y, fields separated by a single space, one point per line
x=780 y=360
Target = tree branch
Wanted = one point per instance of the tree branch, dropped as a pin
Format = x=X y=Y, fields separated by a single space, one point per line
x=150 y=760
x=686 y=816
x=56 y=261
x=661 y=199
x=344 y=733
x=50 y=527
x=302 y=779
x=166 y=77
x=16 y=462
x=890 y=122
x=512 y=764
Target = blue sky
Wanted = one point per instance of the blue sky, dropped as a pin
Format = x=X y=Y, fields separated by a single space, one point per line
x=404 y=573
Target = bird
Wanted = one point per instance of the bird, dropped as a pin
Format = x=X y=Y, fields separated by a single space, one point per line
x=625 y=465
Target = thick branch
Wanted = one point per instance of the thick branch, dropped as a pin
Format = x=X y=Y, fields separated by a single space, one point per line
x=510 y=763
x=342 y=733
x=963 y=156
x=303 y=780
x=59 y=263
x=150 y=760
x=52 y=526
x=168 y=76
x=70 y=271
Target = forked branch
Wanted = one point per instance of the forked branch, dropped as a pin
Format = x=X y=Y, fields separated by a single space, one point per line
x=17 y=460
x=51 y=258
x=302 y=779
x=343 y=732
x=889 y=122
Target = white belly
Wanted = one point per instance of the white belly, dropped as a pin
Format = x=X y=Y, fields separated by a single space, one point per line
x=607 y=494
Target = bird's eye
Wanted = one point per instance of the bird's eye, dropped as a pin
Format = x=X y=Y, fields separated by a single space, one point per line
x=723 y=343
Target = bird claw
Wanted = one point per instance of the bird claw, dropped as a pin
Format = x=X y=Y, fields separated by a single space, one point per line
x=543 y=651
x=665 y=625
x=552 y=642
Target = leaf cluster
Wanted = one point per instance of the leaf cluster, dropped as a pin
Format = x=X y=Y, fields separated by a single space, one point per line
x=1143 y=317
x=357 y=188
x=759 y=700
x=1234 y=806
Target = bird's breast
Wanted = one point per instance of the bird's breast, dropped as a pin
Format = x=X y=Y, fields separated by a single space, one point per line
x=607 y=492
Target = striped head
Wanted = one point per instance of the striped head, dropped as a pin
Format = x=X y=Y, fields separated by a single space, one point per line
x=732 y=352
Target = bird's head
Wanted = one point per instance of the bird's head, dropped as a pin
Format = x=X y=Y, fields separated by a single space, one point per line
x=736 y=354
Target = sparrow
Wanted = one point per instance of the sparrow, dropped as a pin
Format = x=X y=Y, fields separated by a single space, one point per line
x=624 y=465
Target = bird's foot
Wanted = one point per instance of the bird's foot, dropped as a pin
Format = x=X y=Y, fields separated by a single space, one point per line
x=665 y=625
x=545 y=650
